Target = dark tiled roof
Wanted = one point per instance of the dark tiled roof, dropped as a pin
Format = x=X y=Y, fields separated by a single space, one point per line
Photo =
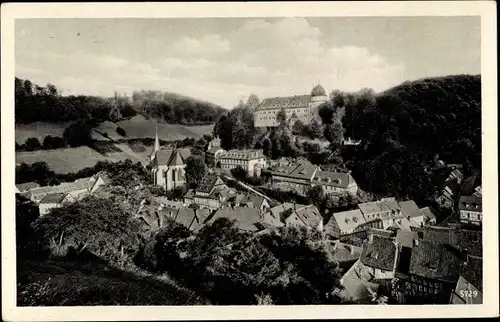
x=358 y=290
x=471 y=203
x=166 y=156
x=26 y=186
x=469 y=240
x=334 y=179
x=245 y=217
x=469 y=184
x=301 y=101
x=342 y=252
x=379 y=253
x=439 y=235
x=433 y=260
x=473 y=272
x=428 y=213
x=309 y=215
x=409 y=207
x=242 y=154
x=207 y=183
x=53 y=198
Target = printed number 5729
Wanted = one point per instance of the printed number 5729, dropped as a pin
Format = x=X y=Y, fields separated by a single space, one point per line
x=464 y=293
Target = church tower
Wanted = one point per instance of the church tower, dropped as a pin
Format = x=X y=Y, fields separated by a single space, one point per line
x=318 y=97
x=156 y=146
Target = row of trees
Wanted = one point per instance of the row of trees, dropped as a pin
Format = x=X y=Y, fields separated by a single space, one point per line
x=37 y=103
x=231 y=267
x=176 y=109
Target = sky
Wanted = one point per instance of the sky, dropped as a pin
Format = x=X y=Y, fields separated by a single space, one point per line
x=223 y=60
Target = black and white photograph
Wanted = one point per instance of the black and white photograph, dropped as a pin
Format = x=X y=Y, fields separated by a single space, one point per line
x=258 y=161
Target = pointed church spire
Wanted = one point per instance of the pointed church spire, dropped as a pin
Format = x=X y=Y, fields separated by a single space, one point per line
x=156 y=147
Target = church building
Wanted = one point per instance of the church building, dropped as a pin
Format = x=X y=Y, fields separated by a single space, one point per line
x=302 y=107
x=168 y=165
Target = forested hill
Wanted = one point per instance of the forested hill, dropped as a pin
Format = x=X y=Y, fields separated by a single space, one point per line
x=45 y=103
x=403 y=128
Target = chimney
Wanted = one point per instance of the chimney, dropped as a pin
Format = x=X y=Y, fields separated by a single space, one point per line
x=415 y=242
x=370 y=238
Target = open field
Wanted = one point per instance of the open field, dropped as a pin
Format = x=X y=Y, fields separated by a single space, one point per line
x=39 y=130
x=139 y=127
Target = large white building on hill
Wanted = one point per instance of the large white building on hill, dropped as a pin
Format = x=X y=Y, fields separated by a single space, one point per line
x=302 y=107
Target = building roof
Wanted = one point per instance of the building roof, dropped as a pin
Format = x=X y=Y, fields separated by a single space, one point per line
x=172 y=157
x=469 y=184
x=318 y=90
x=190 y=218
x=207 y=183
x=342 y=252
x=249 y=154
x=380 y=232
x=347 y=220
x=379 y=253
x=406 y=238
x=468 y=240
x=379 y=206
x=409 y=207
x=80 y=184
x=245 y=217
x=358 y=271
x=471 y=203
x=53 y=198
x=214 y=149
x=23 y=187
x=279 y=209
x=464 y=285
x=402 y=224
x=301 y=101
x=358 y=290
x=433 y=260
x=255 y=200
x=309 y=215
x=437 y=234
x=473 y=272
x=333 y=178
x=427 y=212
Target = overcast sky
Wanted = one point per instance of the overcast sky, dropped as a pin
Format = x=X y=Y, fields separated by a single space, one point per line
x=223 y=60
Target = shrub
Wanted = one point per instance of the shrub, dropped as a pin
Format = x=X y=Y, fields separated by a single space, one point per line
x=32 y=144
x=121 y=131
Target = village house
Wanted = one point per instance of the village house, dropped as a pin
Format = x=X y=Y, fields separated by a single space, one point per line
x=246 y=219
x=307 y=216
x=471 y=210
x=417 y=217
x=344 y=254
x=254 y=201
x=252 y=161
x=380 y=256
x=192 y=219
x=51 y=201
x=431 y=276
x=359 y=284
x=25 y=187
x=333 y=182
x=381 y=213
x=75 y=190
x=208 y=193
x=346 y=223
x=303 y=108
x=283 y=208
x=451 y=190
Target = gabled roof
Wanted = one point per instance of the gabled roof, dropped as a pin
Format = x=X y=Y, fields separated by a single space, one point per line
x=176 y=159
x=409 y=207
x=249 y=154
x=190 y=218
x=255 y=200
x=166 y=156
x=207 y=183
x=379 y=253
x=269 y=219
x=401 y=224
x=301 y=101
x=471 y=203
x=53 y=198
x=341 y=252
x=437 y=234
x=23 y=187
x=427 y=212
x=406 y=238
x=309 y=215
x=433 y=260
x=469 y=240
x=358 y=290
x=347 y=220
x=333 y=178
x=245 y=217
x=278 y=210
x=379 y=206
x=80 y=184
x=469 y=184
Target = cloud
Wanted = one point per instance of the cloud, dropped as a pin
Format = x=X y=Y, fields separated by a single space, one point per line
x=209 y=45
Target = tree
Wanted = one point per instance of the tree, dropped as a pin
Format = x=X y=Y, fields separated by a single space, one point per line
x=121 y=131
x=78 y=134
x=298 y=127
x=53 y=142
x=315 y=129
x=267 y=147
x=281 y=118
x=316 y=195
x=253 y=100
x=239 y=173
x=195 y=170
x=32 y=144
x=334 y=133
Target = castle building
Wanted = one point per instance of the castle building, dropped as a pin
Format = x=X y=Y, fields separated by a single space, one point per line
x=302 y=107
x=168 y=165
x=252 y=161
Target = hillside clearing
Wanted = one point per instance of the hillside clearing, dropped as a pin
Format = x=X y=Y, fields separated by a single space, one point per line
x=39 y=130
